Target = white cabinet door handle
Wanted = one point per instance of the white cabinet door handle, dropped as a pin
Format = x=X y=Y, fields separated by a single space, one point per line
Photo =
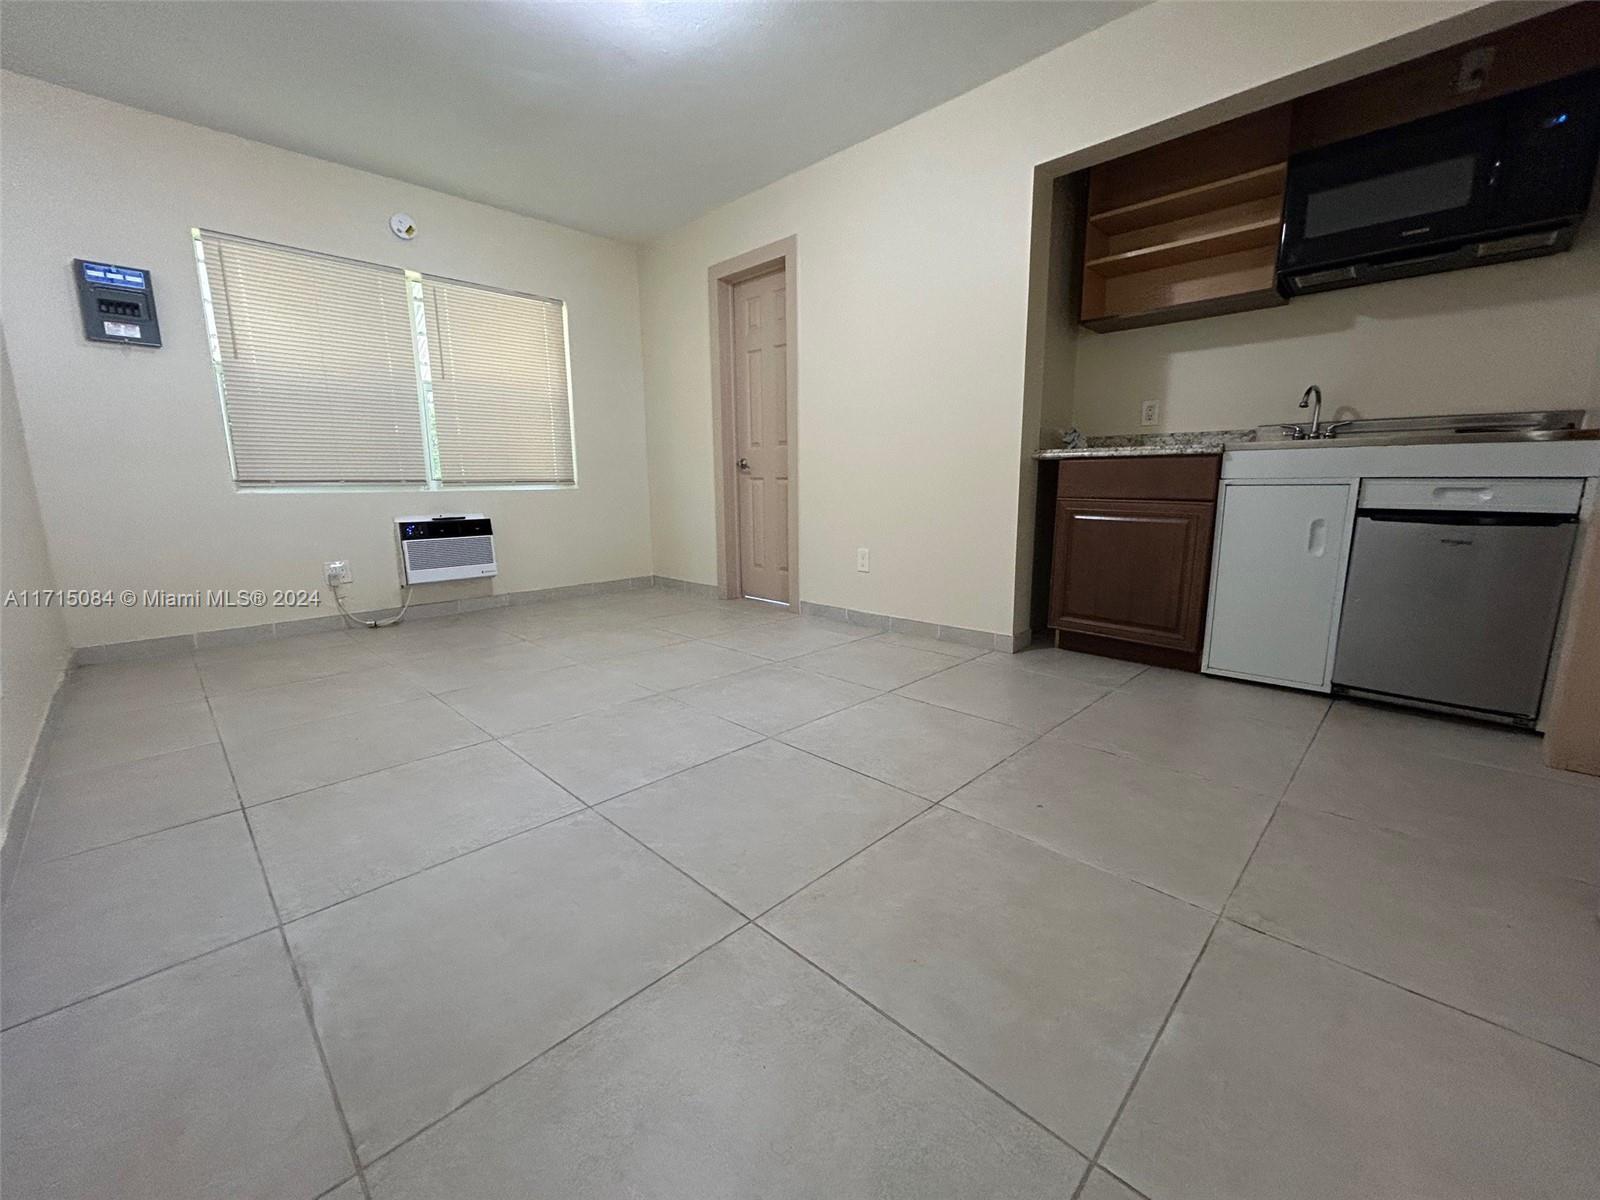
x=1464 y=495
x=1317 y=537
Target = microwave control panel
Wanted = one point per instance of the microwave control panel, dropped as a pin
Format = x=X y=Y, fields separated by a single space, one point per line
x=118 y=304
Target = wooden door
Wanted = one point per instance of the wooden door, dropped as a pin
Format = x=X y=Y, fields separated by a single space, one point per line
x=1132 y=569
x=761 y=434
x=1279 y=575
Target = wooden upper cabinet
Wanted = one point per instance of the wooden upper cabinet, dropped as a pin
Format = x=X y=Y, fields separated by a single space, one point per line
x=1188 y=228
x=1544 y=49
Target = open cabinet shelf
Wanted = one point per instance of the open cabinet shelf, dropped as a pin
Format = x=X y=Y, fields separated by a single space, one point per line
x=1186 y=229
x=1262 y=183
x=1193 y=248
x=1207 y=287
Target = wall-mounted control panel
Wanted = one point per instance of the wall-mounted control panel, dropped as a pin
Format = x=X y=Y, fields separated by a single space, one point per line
x=118 y=303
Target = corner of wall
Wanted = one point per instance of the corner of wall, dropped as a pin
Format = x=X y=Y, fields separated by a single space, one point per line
x=34 y=650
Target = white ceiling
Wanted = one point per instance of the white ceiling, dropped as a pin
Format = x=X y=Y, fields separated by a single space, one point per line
x=626 y=119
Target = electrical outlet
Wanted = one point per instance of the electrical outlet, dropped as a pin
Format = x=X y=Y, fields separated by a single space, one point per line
x=863 y=563
x=336 y=572
x=1149 y=412
x=1472 y=71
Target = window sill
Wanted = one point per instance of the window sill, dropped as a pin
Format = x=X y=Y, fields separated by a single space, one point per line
x=252 y=489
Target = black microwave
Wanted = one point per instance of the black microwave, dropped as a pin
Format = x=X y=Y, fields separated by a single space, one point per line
x=1505 y=179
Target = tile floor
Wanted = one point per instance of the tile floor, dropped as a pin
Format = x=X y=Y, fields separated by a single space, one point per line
x=646 y=895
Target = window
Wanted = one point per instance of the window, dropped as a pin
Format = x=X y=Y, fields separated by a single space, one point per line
x=340 y=372
x=498 y=363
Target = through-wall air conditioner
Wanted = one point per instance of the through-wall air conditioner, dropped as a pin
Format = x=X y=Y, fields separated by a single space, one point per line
x=434 y=549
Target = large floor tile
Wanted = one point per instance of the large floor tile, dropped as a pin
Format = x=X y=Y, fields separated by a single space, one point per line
x=1026 y=699
x=714 y=621
x=84 y=809
x=921 y=748
x=1283 y=1074
x=79 y=925
x=780 y=640
x=747 y=1073
x=1046 y=978
x=327 y=845
x=1188 y=694
x=197 y=1083
x=123 y=737
x=451 y=670
x=431 y=988
x=508 y=705
x=1540 y=823
x=773 y=698
x=759 y=824
x=465 y=633
x=1104 y=1186
x=1356 y=726
x=535 y=622
x=1513 y=945
x=1091 y=668
x=283 y=660
x=648 y=602
x=949 y=647
x=682 y=665
x=263 y=710
x=594 y=644
x=874 y=662
x=285 y=761
x=607 y=753
x=1184 y=835
x=118 y=687
x=1226 y=748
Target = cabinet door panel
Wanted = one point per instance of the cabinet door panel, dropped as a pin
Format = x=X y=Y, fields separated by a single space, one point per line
x=1280 y=562
x=1133 y=570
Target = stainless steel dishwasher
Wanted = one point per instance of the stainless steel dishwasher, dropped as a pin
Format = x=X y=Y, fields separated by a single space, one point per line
x=1453 y=592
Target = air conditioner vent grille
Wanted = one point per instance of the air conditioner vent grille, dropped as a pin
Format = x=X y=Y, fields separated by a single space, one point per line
x=431 y=554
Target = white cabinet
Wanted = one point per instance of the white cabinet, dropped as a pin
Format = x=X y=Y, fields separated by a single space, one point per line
x=1277 y=577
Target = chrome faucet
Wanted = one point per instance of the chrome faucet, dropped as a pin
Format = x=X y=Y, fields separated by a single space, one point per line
x=1313 y=400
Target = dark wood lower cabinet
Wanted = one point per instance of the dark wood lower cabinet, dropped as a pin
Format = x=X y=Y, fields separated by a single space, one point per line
x=1129 y=574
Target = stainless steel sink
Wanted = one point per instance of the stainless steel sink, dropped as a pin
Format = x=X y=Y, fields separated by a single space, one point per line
x=1540 y=426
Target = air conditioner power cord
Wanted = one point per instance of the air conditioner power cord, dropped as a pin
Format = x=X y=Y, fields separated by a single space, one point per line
x=338 y=599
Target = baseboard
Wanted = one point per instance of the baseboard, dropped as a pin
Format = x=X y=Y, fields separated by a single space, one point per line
x=1007 y=643
x=706 y=591
x=981 y=639
x=21 y=815
x=244 y=635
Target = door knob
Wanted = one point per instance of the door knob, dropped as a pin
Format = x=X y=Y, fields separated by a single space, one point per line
x=744 y=464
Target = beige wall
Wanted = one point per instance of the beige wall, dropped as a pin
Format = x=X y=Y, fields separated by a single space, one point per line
x=127 y=444
x=1515 y=336
x=33 y=641
x=913 y=262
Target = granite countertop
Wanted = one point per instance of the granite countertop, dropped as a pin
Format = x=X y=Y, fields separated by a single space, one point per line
x=1135 y=445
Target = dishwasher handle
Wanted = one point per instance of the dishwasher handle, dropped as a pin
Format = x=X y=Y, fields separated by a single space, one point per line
x=1426 y=516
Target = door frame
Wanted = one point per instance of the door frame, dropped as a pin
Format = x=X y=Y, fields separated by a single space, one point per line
x=720 y=280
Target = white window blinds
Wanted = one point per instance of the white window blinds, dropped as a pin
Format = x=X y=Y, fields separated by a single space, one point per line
x=501 y=409
x=316 y=366
x=340 y=372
